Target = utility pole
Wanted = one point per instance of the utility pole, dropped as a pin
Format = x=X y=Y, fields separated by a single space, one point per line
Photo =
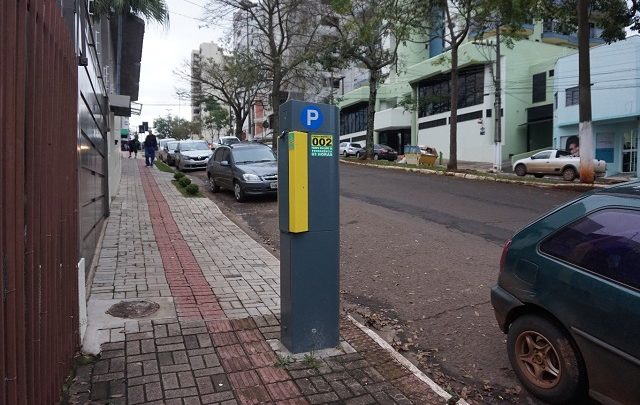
x=498 y=105
x=587 y=174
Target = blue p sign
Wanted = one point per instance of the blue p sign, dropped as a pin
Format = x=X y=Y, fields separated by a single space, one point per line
x=311 y=118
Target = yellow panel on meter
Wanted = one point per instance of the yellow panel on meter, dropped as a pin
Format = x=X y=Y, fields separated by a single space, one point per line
x=298 y=182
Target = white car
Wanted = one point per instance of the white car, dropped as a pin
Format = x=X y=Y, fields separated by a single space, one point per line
x=557 y=163
x=192 y=155
x=349 y=148
x=226 y=140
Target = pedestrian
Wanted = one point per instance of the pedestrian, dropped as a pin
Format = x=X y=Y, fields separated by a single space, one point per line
x=150 y=147
x=134 y=147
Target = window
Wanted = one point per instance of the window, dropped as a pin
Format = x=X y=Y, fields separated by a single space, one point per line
x=218 y=156
x=572 y=96
x=353 y=119
x=539 y=87
x=555 y=100
x=542 y=155
x=606 y=242
x=434 y=93
x=552 y=73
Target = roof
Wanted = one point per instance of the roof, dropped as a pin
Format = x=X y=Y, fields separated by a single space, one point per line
x=246 y=145
x=629 y=188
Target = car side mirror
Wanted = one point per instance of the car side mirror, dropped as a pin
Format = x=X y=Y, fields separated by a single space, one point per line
x=224 y=163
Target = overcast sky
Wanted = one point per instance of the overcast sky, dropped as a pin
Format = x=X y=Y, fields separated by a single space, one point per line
x=164 y=50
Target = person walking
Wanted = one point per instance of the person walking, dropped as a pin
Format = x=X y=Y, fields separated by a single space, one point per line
x=134 y=147
x=150 y=147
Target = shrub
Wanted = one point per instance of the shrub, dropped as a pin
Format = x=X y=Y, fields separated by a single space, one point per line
x=185 y=181
x=192 y=189
x=178 y=175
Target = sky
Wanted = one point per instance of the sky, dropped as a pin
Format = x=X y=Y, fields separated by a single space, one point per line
x=164 y=50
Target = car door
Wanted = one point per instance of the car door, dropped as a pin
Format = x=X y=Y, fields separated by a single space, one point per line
x=595 y=292
x=539 y=163
x=226 y=173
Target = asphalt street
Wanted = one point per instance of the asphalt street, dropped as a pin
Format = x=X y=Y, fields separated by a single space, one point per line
x=418 y=256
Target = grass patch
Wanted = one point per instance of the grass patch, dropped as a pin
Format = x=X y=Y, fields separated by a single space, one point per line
x=163 y=167
x=184 y=192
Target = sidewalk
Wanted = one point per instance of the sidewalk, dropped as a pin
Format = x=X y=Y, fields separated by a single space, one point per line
x=205 y=297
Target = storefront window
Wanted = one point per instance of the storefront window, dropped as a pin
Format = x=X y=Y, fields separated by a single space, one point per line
x=630 y=152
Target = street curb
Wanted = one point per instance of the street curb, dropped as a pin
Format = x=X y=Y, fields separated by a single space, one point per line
x=406 y=363
x=487 y=177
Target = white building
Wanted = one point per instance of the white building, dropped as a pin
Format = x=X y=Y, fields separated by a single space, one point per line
x=206 y=51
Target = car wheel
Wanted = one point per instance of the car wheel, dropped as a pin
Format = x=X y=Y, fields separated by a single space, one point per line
x=375 y=156
x=538 y=176
x=569 y=173
x=344 y=153
x=521 y=170
x=213 y=186
x=358 y=154
x=238 y=193
x=545 y=360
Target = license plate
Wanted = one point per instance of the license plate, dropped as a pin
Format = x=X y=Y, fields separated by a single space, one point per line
x=274 y=185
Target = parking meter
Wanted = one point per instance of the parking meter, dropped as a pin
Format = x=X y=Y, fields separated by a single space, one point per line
x=308 y=204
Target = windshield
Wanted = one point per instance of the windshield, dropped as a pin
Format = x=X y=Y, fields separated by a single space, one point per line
x=184 y=146
x=229 y=141
x=253 y=155
x=172 y=145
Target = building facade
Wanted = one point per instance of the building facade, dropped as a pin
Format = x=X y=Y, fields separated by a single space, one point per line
x=412 y=106
x=615 y=100
x=206 y=51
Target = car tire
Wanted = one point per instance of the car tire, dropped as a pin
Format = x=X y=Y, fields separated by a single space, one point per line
x=569 y=173
x=538 y=176
x=344 y=153
x=238 y=192
x=545 y=360
x=521 y=170
x=375 y=156
x=358 y=154
x=213 y=187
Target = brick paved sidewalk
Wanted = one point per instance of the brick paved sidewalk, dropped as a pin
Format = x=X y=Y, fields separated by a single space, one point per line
x=214 y=337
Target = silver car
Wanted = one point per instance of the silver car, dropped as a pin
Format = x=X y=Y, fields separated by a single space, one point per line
x=192 y=155
x=557 y=163
x=349 y=148
x=167 y=152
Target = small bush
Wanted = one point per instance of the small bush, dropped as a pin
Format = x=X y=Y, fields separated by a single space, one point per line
x=178 y=175
x=184 y=182
x=192 y=189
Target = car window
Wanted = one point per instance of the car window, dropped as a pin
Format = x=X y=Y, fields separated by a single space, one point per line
x=172 y=145
x=226 y=155
x=253 y=155
x=562 y=153
x=343 y=144
x=542 y=155
x=184 y=146
x=606 y=242
x=218 y=155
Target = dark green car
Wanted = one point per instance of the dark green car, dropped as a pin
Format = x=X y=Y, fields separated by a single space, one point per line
x=568 y=297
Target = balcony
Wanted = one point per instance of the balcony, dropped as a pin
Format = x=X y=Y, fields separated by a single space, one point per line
x=392 y=118
x=552 y=33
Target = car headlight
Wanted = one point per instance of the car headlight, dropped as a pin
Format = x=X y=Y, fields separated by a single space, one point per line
x=250 y=178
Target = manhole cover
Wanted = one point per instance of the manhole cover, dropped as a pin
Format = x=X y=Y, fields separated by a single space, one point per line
x=133 y=309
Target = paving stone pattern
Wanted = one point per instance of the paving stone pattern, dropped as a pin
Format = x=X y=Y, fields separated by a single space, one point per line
x=225 y=288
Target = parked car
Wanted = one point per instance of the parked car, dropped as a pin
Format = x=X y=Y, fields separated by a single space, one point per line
x=163 y=141
x=383 y=152
x=568 y=298
x=167 y=153
x=226 y=141
x=192 y=155
x=557 y=163
x=246 y=168
x=349 y=148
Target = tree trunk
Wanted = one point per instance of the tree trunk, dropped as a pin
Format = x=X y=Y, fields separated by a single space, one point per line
x=275 y=103
x=587 y=174
x=453 y=99
x=238 y=128
x=371 y=111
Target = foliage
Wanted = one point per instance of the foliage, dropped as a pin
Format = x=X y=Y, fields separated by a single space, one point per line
x=150 y=10
x=178 y=175
x=183 y=190
x=360 y=30
x=192 y=189
x=282 y=361
x=311 y=361
x=184 y=182
x=235 y=82
x=216 y=118
x=163 y=167
x=284 y=37
x=175 y=127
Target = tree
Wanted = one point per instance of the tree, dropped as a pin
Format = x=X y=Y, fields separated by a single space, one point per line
x=150 y=10
x=216 y=118
x=361 y=30
x=177 y=128
x=234 y=82
x=612 y=16
x=285 y=41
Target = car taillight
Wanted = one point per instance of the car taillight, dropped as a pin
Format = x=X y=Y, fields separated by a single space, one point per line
x=503 y=258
